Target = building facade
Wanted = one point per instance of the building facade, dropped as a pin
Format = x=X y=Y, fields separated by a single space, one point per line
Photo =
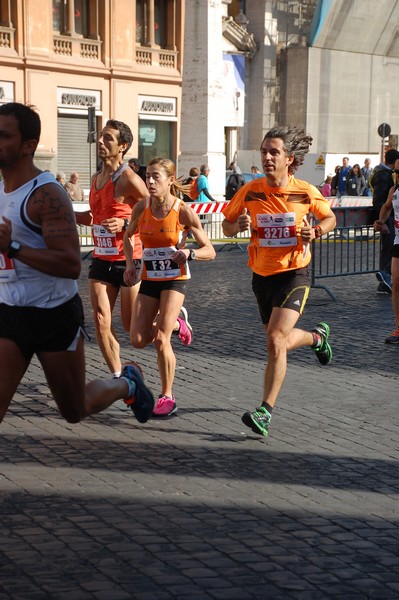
x=329 y=66
x=122 y=60
x=217 y=51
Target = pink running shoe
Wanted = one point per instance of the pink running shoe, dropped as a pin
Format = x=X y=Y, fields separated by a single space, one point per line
x=165 y=406
x=186 y=331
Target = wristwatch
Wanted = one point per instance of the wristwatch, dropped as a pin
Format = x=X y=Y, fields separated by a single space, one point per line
x=125 y=224
x=191 y=256
x=13 y=248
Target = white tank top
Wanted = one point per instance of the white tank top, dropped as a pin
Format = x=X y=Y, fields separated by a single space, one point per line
x=27 y=286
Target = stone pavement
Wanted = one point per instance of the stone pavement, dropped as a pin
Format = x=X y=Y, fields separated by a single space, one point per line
x=196 y=506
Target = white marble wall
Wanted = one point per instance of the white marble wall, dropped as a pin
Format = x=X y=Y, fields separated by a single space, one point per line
x=349 y=95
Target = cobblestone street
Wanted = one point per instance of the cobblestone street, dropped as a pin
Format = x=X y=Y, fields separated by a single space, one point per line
x=196 y=506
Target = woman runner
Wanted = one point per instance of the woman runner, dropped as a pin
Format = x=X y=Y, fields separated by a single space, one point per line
x=160 y=220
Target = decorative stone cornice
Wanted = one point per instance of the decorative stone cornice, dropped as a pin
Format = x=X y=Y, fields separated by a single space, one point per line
x=239 y=37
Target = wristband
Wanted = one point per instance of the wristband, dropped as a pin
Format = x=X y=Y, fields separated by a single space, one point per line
x=317 y=232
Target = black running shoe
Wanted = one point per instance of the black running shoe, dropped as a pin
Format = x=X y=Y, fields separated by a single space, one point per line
x=385 y=281
x=323 y=352
x=142 y=400
x=381 y=289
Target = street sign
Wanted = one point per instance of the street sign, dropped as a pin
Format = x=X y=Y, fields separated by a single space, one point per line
x=384 y=130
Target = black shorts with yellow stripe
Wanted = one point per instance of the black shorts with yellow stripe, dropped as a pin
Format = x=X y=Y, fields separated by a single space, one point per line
x=289 y=289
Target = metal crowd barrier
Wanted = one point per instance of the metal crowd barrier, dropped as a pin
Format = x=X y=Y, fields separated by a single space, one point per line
x=353 y=248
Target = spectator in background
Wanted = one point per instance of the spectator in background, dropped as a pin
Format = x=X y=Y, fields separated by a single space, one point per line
x=232 y=165
x=193 y=174
x=192 y=177
x=60 y=177
x=254 y=169
x=342 y=176
x=74 y=188
x=381 y=182
x=234 y=182
x=334 y=181
x=326 y=187
x=355 y=183
x=203 y=187
x=392 y=203
x=367 y=171
x=134 y=164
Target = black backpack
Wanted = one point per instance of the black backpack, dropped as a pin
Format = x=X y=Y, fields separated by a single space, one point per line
x=234 y=183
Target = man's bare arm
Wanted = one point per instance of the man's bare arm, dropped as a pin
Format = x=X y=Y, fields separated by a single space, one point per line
x=131 y=187
x=51 y=209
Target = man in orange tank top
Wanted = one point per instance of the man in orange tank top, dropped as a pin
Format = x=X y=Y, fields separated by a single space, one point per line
x=115 y=190
x=276 y=210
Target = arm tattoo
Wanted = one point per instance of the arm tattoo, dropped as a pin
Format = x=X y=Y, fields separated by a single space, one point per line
x=53 y=212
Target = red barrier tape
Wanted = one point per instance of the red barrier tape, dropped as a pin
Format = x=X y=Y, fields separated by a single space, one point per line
x=206 y=208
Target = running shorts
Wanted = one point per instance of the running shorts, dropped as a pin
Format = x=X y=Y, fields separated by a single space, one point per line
x=43 y=329
x=110 y=271
x=289 y=289
x=154 y=288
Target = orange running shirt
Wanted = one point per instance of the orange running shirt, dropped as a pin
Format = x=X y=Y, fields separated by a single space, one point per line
x=109 y=246
x=277 y=217
x=159 y=238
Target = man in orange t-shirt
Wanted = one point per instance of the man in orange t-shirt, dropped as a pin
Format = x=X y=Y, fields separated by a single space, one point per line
x=276 y=209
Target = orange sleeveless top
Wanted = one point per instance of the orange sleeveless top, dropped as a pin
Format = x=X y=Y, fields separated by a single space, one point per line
x=109 y=246
x=159 y=238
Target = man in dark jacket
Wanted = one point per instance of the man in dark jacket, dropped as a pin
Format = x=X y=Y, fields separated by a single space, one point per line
x=381 y=182
x=234 y=182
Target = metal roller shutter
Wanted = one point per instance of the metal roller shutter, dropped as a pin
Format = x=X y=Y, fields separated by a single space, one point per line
x=73 y=149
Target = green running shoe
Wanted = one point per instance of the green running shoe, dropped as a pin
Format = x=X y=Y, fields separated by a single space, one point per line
x=323 y=352
x=258 y=421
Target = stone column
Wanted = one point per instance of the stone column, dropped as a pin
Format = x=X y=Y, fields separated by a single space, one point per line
x=150 y=41
x=261 y=92
x=71 y=18
x=202 y=127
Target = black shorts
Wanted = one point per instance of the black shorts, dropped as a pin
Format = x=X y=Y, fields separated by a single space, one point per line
x=395 y=251
x=42 y=329
x=154 y=288
x=110 y=271
x=284 y=290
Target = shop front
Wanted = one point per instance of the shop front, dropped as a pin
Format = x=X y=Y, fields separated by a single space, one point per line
x=157 y=128
x=74 y=151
